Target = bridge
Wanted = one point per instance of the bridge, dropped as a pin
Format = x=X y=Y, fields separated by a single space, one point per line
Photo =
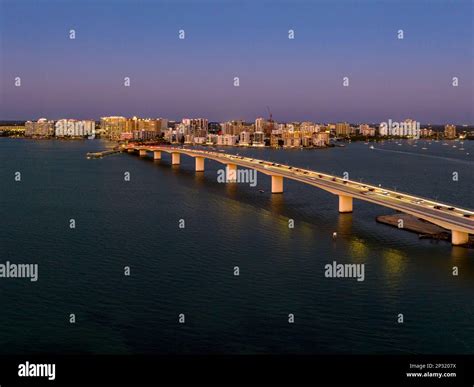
x=458 y=220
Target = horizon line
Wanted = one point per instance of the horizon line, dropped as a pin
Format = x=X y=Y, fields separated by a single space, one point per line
x=237 y=119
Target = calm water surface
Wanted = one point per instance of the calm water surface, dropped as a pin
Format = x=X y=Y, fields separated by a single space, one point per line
x=190 y=270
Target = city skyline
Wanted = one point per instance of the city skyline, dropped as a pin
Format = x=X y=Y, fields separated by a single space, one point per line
x=249 y=121
x=202 y=132
x=299 y=79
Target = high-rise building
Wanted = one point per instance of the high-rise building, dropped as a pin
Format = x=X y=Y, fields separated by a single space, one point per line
x=309 y=127
x=258 y=139
x=227 y=139
x=410 y=128
x=383 y=129
x=211 y=139
x=197 y=127
x=406 y=128
x=40 y=128
x=320 y=139
x=74 y=128
x=366 y=130
x=245 y=138
x=276 y=138
x=117 y=127
x=260 y=124
x=265 y=126
x=143 y=134
x=450 y=131
x=113 y=126
x=343 y=129
x=291 y=138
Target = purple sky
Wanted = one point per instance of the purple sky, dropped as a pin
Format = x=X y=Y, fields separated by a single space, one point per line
x=299 y=79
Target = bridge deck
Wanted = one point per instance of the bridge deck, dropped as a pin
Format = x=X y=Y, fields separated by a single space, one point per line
x=442 y=214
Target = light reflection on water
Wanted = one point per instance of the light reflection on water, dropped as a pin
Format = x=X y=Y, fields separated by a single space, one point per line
x=282 y=269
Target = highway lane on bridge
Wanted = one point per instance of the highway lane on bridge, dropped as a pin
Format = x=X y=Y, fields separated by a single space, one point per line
x=445 y=215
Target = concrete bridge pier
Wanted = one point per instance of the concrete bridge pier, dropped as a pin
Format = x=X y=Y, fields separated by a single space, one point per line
x=142 y=152
x=459 y=237
x=175 y=159
x=277 y=184
x=231 y=173
x=199 y=164
x=345 y=204
x=157 y=155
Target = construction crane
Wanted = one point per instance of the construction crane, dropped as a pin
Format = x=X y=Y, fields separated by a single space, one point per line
x=270 y=113
x=270 y=125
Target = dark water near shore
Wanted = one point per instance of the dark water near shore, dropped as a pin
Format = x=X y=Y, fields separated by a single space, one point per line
x=190 y=270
